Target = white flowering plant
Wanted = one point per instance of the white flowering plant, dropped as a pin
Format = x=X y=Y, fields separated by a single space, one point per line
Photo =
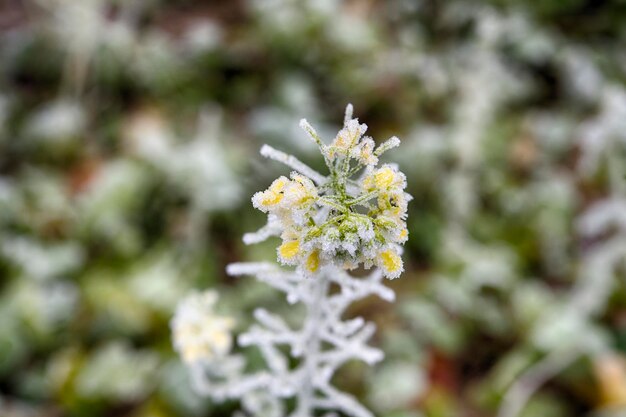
x=328 y=225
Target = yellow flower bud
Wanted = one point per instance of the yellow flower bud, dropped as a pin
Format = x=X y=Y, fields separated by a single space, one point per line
x=391 y=263
x=384 y=177
x=312 y=263
x=289 y=250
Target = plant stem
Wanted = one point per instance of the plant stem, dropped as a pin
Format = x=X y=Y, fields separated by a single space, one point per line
x=312 y=326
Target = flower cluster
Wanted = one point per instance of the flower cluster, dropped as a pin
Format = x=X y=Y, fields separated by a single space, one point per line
x=338 y=219
x=200 y=334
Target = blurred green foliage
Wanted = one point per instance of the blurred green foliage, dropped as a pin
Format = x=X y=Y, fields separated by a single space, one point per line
x=129 y=134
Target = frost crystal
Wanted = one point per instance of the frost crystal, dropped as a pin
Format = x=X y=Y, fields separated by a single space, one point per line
x=327 y=224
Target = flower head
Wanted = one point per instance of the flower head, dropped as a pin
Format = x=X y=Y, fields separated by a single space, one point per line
x=200 y=334
x=338 y=219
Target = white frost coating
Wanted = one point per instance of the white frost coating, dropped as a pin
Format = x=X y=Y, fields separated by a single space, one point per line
x=322 y=344
x=392 y=142
x=306 y=126
x=262 y=234
x=292 y=162
x=249 y=268
x=348 y=115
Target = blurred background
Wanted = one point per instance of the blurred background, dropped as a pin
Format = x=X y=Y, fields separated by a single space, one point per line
x=129 y=138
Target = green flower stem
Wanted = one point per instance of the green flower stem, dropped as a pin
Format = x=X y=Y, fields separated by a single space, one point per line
x=362 y=198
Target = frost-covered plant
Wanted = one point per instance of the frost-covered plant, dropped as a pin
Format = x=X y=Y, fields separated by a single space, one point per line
x=328 y=225
x=604 y=224
x=199 y=332
x=335 y=219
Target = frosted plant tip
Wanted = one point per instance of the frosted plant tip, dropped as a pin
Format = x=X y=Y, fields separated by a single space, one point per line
x=337 y=219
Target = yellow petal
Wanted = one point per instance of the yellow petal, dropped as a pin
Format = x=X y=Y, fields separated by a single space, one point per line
x=270 y=198
x=313 y=262
x=384 y=178
x=391 y=263
x=274 y=194
x=289 y=250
